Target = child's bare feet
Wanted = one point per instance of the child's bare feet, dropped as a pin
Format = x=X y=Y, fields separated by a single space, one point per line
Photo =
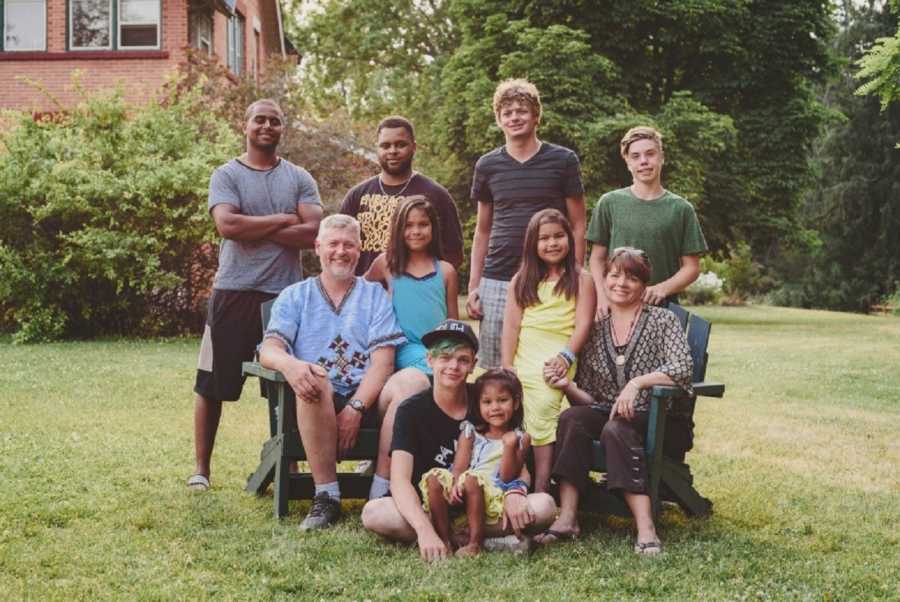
x=459 y=538
x=472 y=549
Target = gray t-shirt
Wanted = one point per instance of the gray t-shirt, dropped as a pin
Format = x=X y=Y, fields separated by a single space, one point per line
x=259 y=265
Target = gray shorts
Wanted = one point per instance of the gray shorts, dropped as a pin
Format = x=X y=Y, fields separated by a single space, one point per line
x=493 y=303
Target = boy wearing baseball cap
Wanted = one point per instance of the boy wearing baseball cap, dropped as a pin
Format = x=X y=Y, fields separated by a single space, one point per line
x=426 y=429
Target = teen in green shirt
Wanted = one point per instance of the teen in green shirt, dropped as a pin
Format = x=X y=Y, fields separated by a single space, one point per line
x=647 y=217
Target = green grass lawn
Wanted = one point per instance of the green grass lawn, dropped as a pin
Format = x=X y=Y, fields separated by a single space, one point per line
x=801 y=459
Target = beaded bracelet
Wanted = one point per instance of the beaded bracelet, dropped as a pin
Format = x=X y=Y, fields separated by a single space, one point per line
x=521 y=492
x=512 y=485
x=567 y=355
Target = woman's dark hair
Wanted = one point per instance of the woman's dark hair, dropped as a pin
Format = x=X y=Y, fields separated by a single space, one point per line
x=502 y=378
x=397 y=253
x=633 y=262
x=533 y=270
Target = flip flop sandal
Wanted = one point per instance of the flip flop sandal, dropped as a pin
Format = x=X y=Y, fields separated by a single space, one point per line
x=198 y=482
x=558 y=536
x=649 y=548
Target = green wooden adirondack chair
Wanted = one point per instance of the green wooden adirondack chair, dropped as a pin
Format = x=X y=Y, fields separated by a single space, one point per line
x=284 y=446
x=670 y=479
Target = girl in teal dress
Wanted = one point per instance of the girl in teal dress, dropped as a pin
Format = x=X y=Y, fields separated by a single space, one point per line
x=423 y=288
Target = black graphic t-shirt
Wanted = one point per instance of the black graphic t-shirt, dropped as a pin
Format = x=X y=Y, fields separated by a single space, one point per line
x=373 y=206
x=425 y=431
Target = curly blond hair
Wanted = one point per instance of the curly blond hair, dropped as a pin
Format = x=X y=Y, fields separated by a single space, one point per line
x=521 y=90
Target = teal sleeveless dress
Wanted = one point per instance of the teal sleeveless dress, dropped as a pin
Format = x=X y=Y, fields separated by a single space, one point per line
x=420 y=304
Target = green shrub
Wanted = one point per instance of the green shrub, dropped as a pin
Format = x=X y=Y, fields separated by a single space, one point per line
x=103 y=217
x=707 y=288
x=892 y=301
x=743 y=278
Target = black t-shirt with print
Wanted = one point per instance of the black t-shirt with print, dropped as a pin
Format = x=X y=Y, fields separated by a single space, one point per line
x=425 y=431
x=373 y=206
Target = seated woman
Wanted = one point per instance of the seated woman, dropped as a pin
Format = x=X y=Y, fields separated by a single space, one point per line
x=634 y=348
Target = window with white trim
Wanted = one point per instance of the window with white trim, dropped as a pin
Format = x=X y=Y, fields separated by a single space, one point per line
x=236 y=43
x=90 y=24
x=114 y=24
x=139 y=23
x=24 y=25
x=201 y=30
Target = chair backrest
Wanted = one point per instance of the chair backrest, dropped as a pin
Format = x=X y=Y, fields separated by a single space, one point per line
x=698 y=339
x=681 y=313
x=265 y=312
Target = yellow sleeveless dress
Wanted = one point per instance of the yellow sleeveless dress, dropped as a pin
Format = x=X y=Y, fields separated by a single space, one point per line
x=545 y=330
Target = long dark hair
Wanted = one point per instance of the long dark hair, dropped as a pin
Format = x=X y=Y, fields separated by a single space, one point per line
x=533 y=270
x=397 y=253
x=506 y=379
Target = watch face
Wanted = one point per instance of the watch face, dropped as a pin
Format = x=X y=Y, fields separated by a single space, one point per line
x=357 y=405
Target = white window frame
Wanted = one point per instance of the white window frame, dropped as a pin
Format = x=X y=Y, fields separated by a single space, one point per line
x=71 y=28
x=3 y=47
x=239 y=61
x=119 y=24
x=201 y=39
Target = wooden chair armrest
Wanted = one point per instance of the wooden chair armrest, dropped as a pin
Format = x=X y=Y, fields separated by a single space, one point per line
x=709 y=389
x=700 y=389
x=255 y=369
x=666 y=391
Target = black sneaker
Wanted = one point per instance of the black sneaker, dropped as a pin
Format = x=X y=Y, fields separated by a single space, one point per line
x=324 y=512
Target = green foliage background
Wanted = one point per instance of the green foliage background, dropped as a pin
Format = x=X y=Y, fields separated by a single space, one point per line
x=732 y=85
x=103 y=217
x=854 y=205
x=103 y=226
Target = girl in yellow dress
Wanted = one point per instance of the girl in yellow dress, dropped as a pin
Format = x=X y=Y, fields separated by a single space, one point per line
x=548 y=316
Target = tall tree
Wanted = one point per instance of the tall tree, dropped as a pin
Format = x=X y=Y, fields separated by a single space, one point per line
x=373 y=58
x=854 y=205
x=731 y=84
x=881 y=66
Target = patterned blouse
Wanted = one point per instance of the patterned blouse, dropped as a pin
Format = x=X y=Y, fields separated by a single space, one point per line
x=658 y=344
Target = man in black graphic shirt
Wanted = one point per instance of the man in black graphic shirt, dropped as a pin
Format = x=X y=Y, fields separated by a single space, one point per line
x=372 y=201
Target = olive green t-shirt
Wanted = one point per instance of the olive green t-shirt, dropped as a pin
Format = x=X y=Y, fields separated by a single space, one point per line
x=665 y=228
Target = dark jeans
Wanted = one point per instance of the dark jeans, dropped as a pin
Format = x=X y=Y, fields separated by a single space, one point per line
x=623 y=442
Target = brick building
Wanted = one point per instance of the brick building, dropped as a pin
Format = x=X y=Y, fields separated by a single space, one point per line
x=138 y=42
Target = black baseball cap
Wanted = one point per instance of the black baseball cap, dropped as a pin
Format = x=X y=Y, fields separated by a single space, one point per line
x=454 y=329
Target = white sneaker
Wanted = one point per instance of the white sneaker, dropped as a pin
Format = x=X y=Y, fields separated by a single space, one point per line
x=509 y=543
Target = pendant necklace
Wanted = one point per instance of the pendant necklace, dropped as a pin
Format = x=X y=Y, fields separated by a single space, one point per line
x=620 y=357
x=402 y=190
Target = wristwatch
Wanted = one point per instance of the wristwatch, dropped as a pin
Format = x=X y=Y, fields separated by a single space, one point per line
x=358 y=405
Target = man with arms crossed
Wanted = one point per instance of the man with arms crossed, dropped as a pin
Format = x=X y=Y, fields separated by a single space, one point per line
x=333 y=339
x=511 y=184
x=648 y=217
x=265 y=209
x=426 y=432
x=372 y=201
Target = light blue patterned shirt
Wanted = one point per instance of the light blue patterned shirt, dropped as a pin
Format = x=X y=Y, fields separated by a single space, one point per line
x=340 y=339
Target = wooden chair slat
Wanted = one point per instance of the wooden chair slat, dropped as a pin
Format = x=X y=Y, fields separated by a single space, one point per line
x=698 y=339
x=681 y=313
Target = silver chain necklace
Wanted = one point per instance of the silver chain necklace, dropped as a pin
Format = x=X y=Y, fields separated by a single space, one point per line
x=620 y=357
x=402 y=190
